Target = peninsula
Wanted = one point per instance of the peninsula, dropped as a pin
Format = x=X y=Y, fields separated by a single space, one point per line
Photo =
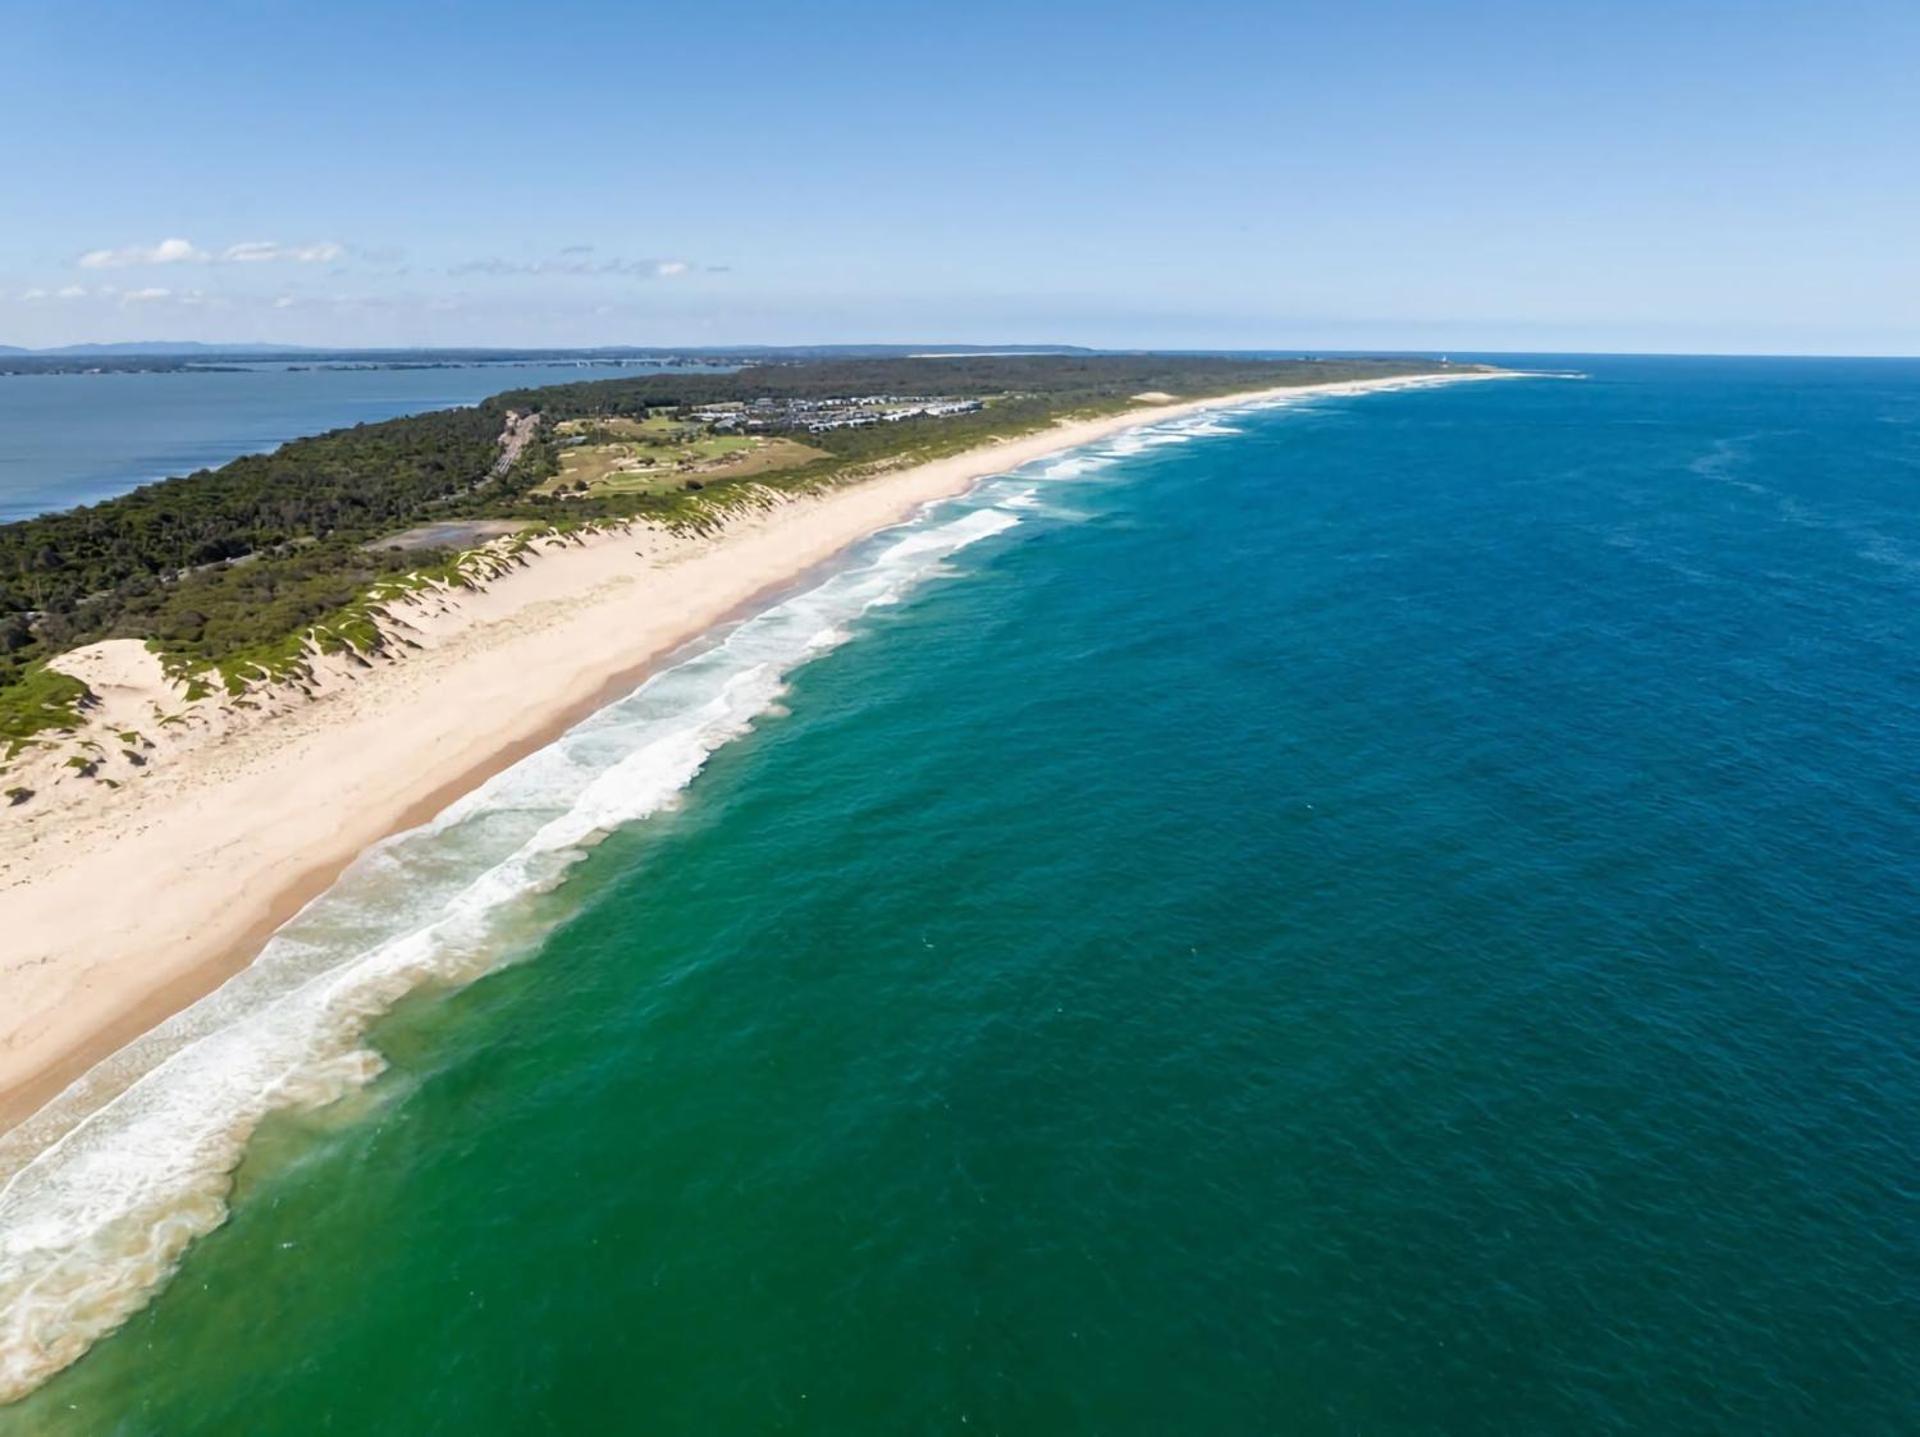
x=215 y=691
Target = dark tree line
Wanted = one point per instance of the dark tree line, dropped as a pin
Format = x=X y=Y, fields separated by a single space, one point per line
x=112 y=568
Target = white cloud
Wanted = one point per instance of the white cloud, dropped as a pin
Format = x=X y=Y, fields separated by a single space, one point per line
x=265 y=251
x=577 y=260
x=168 y=251
x=71 y=291
x=145 y=296
x=284 y=302
x=180 y=251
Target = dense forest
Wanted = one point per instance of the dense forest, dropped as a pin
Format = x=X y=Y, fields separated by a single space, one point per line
x=137 y=564
x=214 y=564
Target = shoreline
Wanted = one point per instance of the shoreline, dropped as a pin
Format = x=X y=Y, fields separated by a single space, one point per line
x=125 y=911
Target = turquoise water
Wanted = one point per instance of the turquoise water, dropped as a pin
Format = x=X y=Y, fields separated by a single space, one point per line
x=1396 y=918
x=69 y=439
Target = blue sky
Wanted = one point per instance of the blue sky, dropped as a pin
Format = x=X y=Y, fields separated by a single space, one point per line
x=1630 y=176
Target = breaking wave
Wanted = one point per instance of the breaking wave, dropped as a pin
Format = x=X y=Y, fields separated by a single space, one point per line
x=97 y=1220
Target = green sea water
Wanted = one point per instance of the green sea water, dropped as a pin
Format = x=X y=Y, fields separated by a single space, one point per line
x=1391 y=915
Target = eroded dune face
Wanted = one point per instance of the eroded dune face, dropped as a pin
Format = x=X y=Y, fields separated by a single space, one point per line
x=118 y=670
x=135 y=716
x=135 y=721
x=139 y=719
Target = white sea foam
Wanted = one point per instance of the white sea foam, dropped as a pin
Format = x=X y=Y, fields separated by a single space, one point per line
x=1029 y=500
x=95 y=1222
x=1072 y=466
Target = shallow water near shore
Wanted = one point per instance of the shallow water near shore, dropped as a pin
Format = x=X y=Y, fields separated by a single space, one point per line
x=1388 y=914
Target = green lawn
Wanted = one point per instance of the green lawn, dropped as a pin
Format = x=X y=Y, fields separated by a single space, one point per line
x=660 y=455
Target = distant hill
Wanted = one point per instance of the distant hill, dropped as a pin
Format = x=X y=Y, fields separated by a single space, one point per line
x=155 y=346
x=152 y=348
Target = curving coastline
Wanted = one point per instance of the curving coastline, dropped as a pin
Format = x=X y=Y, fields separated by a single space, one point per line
x=205 y=860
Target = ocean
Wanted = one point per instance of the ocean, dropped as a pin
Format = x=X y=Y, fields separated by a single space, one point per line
x=69 y=439
x=1386 y=915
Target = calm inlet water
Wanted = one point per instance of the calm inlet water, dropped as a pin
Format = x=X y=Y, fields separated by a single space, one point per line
x=69 y=439
x=1393 y=915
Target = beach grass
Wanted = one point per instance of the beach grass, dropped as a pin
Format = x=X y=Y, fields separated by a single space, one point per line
x=42 y=701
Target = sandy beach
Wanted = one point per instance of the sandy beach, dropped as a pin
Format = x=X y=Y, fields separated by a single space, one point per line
x=121 y=906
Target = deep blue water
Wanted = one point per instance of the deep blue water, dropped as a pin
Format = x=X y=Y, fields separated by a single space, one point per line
x=1400 y=918
x=69 y=439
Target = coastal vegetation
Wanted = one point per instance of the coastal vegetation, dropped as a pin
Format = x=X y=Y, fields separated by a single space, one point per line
x=38 y=698
x=233 y=574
